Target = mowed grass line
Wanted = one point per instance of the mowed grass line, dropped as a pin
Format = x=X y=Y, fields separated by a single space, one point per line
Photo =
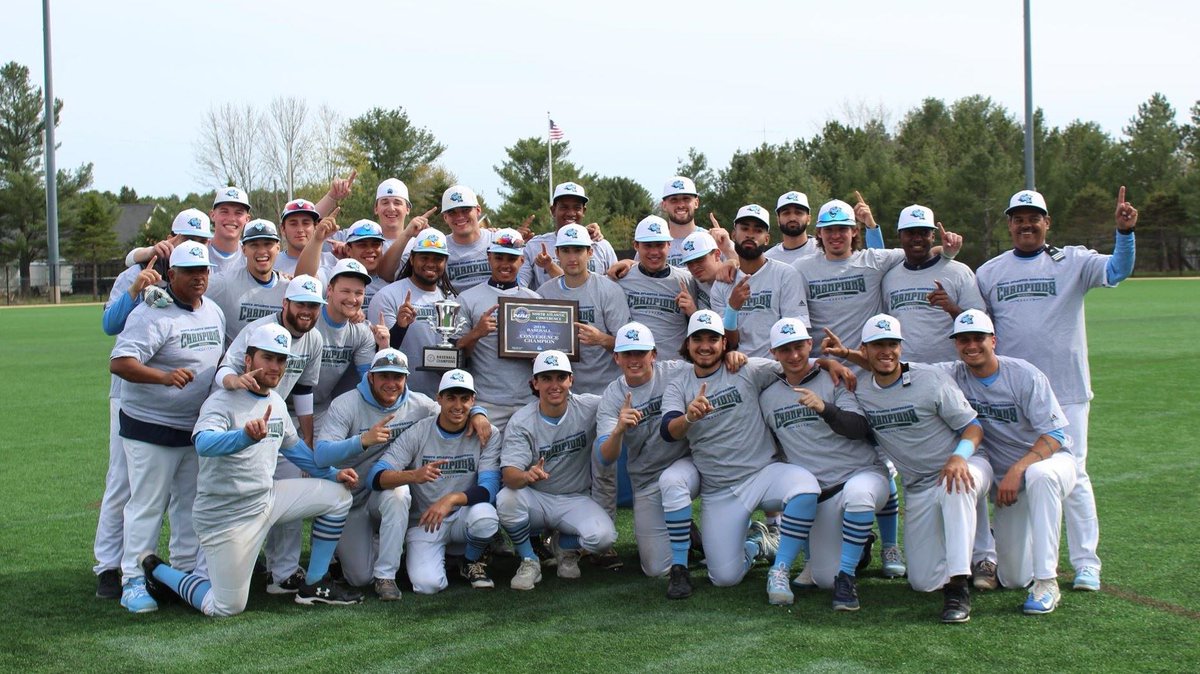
x=1143 y=460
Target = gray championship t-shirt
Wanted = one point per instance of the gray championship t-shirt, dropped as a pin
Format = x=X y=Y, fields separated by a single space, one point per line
x=648 y=453
x=843 y=294
x=244 y=299
x=652 y=303
x=303 y=366
x=926 y=327
x=531 y=276
x=467 y=265
x=565 y=444
x=499 y=381
x=793 y=255
x=603 y=305
x=775 y=293
x=345 y=346
x=420 y=334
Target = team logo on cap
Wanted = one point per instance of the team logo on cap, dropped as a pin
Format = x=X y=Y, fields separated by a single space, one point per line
x=194 y=223
x=678 y=184
x=704 y=318
x=631 y=334
x=689 y=246
x=787 y=329
x=753 y=209
x=389 y=359
x=456 y=197
x=551 y=360
x=792 y=196
x=281 y=340
x=309 y=286
x=835 y=212
x=571 y=234
x=1025 y=198
x=570 y=187
x=258 y=227
x=353 y=265
x=362 y=230
x=507 y=240
x=654 y=227
x=196 y=251
x=967 y=319
x=232 y=193
x=883 y=324
x=432 y=241
x=457 y=376
x=389 y=191
x=918 y=213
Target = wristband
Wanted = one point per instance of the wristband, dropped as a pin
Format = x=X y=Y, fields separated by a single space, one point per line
x=964 y=449
x=730 y=320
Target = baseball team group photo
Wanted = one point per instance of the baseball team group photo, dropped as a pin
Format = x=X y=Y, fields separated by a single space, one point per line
x=912 y=390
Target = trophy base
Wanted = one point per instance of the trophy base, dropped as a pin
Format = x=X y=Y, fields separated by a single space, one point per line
x=441 y=359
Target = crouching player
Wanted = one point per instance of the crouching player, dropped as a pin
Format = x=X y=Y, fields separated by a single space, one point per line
x=453 y=481
x=237 y=437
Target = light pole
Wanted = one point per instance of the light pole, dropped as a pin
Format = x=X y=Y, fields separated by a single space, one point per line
x=51 y=170
x=1029 y=181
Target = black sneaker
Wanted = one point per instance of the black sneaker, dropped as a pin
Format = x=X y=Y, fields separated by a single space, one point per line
x=679 y=582
x=477 y=574
x=161 y=593
x=696 y=549
x=865 y=560
x=500 y=547
x=289 y=585
x=108 y=584
x=609 y=559
x=327 y=591
x=957 y=603
x=541 y=547
x=845 y=592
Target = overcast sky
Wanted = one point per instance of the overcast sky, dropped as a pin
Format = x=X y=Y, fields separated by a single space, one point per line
x=633 y=84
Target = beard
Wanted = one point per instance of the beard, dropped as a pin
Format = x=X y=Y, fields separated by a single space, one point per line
x=792 y=230
x=749 y=250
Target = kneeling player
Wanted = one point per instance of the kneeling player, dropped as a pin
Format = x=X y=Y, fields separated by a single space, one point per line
x=453 y=482
x=237 y=501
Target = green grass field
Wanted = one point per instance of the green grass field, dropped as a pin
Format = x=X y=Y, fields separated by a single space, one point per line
x=1145 y=463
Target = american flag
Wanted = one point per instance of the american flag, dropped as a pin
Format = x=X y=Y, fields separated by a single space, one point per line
x=556 y=132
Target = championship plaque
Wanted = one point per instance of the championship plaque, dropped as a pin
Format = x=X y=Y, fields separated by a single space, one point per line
x=527 y=326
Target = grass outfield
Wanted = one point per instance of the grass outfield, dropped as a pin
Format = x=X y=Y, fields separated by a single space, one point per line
x=1145 y=463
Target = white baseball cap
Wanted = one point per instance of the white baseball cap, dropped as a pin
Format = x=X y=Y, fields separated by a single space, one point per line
x=431 y=241
x=459 y=196
x=231 y=195
x=652 y=229
x=705 y=319
x=679 y=185
x=192 y=222
x=788 y=330
x=836 y=213
x=299 y=206
x=391 y=188
x=753 y=211
x=259 y=229
x=916 y=216
x=973 y=320
x=569 y=189
x=879 y=327
x=551 y=361
x=573 y=235
x=507 y=241
x=272 y=337
x=697 y=244
x=1027 y=199
x=364 y=229
x=633 y=337
x=457 y=379
x=792 y=199
x=389 y=360
x=190 y=254
x=349 y=266
x=305 y=288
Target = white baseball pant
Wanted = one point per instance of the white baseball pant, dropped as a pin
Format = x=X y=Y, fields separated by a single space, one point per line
x=939 y=529
x=1027 y=532
x=156 y=473
x=284 y=540
x=1083 y=524
x=498 y=415
x=426 y=560
x=677 y=487
x=866 y=492
x=365 y=556
x=575 y=514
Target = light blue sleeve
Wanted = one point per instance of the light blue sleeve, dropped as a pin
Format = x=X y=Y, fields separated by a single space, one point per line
x=490 y=480
x=333 y=452
x=1120 y=264
x=113 y=321
x=874 y=237
x=221 y=443
x=596 y=447
x=302 y=455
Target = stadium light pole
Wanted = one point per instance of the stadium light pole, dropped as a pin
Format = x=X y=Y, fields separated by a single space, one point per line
x=1029 y=178
x=51 y=171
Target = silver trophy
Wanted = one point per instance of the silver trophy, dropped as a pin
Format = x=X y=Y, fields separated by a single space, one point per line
x=445 y=322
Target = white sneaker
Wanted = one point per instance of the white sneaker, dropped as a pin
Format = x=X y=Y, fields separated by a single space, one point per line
x=805 y=580
x=568 y=563
x=528 y=575
x=1043 y=597
x=778 y=592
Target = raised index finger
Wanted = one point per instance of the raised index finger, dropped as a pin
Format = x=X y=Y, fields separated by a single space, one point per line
x=353 y=175
x=1121 y=196
x=429 y=212
x=152 y=262
x=628 y=399
x=941 y=231
x=859 y=198
x=267 y=414
x=703 y=388
x=713 y=219
x=407 y=299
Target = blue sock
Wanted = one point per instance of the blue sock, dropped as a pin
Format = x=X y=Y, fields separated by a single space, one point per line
x=519 y=533
x=797 y=521
x=889 y=518
x=326 y=531
x=568 y=541
x=855 y=527
x=190 y=587
x=751 y=550
x=679 y=530
x=475 y=547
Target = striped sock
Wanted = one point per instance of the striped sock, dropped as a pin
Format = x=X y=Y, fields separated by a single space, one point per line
x=188 y=586
x=475 y=547
x=855 y=527
x=519 y=533
x=679 y=530
x=889 y=518
x=797 y=521
x=326 y=531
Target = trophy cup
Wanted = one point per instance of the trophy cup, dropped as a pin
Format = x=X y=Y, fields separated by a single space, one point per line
x=445 y=322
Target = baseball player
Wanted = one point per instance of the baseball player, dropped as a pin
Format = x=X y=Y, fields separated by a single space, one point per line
x=494 y=376
x=793 y=213
x=659 y=295
x=255 y=290
x=925 y=426
x=702 y=258
x=820 y=427
x=546 y=466
x=567 y=207
x=230 y=214
x=237 y=436
x=348 y=347
x=126 y=293
x=762 y=291
x=453 y=482
x=297 y=224
x=406 y=307
x=680 y=201
x=166 y=355
x=1026 y=287
x=391 y=209
x=364 y=244
x=718 y=412
x=467 y=243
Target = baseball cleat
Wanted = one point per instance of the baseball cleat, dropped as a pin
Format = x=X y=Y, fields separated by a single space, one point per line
x=477 y=573
x=865 y=560
x=778 y=591
x=386 y=589
x=609 y=559
x=327 y=591
x=1043 y=597
x=148 y=561
x=761 y=537
x=956 y=607
x=1087 y=579
x=893 y=562
x=696 y=547
x=500 y=547
x=289 y=585
x=568 y=564
x=108 y=584
x=983 y=575
x=135 y=597
x=543 y=547
x=845 y=592
x=679 y=582
x=528 y=575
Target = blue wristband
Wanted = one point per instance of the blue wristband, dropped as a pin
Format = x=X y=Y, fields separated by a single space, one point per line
x=730 y=320
x=964 y=449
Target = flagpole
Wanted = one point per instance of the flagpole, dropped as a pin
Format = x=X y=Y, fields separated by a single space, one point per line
x=549 y=156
